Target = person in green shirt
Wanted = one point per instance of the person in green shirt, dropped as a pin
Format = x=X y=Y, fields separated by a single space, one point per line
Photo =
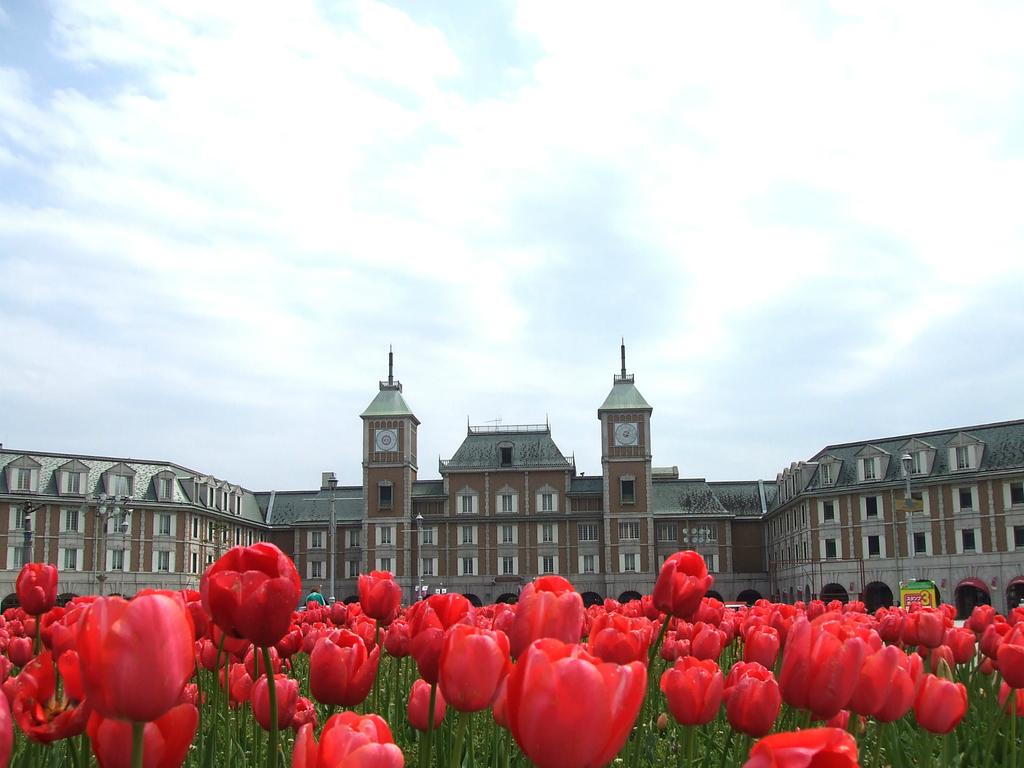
x=315 y=597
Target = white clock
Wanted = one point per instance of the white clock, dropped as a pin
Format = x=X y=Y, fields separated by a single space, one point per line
x=386 y=440
x=625 y=433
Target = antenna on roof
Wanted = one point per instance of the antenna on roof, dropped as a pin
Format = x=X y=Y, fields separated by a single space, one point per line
x=391 y=367
x=622 y=350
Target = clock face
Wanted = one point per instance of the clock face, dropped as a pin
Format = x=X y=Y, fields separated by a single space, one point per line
x=625 y=433
x=386 y=440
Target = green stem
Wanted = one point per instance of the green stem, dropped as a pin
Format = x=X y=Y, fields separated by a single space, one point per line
x=272 y=690
x=879 y=732
x=691 y=743
x=725 y=748
x=138 y=730
x=1013 y=727
x=460 y=735
x=425 y=753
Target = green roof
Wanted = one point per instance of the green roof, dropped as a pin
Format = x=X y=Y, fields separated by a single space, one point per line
x=625 y=397
x=388 y=402
x=532 y=448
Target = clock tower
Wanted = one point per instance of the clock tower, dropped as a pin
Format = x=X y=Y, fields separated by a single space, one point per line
x=625 y=447
x=389 y=470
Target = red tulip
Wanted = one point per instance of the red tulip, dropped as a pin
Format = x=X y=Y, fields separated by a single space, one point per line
x=682 y=584
x=940 y=704
x=619 y=639
x=931 y=628
x=993 y=636
x=251 y=592
x=6 y=732
x=473 y=662
x=707 y=642
x=40 y=714
x=762 y=645
x=239 y=685
x=255 y=664
x=341 y=672
x=1010 y=658
x=36 y=588
x=819 y=668
x=548 y=607
x=396 y=639
x=419 y=704
x=428 y=620
x=568 y=709
x=962 y=643
x=940 y=654
x=135 y=656
x=305 y=712
x=19 y=650
x=1004 y=696
x=886 y=685
x=752 y=699
x=981 y=617
x=823 y=747
x=380 y=596
x=165 y=740
x=287 y=689
x=348 y=741
x=694 y=690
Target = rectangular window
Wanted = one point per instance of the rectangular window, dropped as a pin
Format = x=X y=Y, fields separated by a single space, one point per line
x=871 y=506
x=1018 y=536
x=122 y=485
x=73 y=482
x=166 y=487
x=967 y=538
x=164 y=524
x=869 y=469
x=426 y=569
x=709 y=561
x=830 y=549
x=828 y=511
x=468 y=534
x=467 y=566
x=588 y=564
x=71 y=520
x=427 y=535
x=547 y=502
x=163 y=561
x=587 y=531
x=963 y=457
x=917 y=463
x=874 y=547
x=316 y=569
x=71 y=560
x=627 y=490
x=354 y=536
x=547 y=533
x=316 y=541
x=238 y=536
x=384 y=564
x=1017 y=493
x=353 y=569
x=467 y=505
x=508 y=566
x=667 y=532
x=195 y=562
x=384 y=495
x=24 y=480
x=117 y=560
x=506 y=456
x=195 y=527
x=920 y=543
x=966 y=498
x=629 y=531
x=507 y=535
x=629 y=562
x=547 y=564
x=826 y=474
x=507 y=502
x=385 y=535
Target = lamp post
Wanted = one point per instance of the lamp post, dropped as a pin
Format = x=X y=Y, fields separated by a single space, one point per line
x=26 y=522
x=332 y=483
x=907 y=463
x=419 y=556
x=117 y=507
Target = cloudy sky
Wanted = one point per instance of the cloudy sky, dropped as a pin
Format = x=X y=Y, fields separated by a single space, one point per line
x=805 y=218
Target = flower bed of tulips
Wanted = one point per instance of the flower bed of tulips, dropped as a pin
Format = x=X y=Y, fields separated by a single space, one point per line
x=233 y=676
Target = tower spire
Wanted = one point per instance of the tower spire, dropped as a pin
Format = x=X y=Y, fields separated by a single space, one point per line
x=391 y=367
x=622 y=351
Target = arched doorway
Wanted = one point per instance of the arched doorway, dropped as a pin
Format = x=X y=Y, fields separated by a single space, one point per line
x=877 y=595
x=473 y=600
x=625 y=597
x=1014 y=593
x=748 y=596
x=834 y=591
x=716 y=595
x=11 y=601
x=970 y=593
x=591 y=598
x=508 y=597
x=349 y=599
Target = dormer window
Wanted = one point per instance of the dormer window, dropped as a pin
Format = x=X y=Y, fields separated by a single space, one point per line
x=963 y=457
x=23 y=475
x=164 y=484
x=869 y=468
x=118 y=480
x=965 y=452
x=505 y=455
x=826 y=474
x=71 y=478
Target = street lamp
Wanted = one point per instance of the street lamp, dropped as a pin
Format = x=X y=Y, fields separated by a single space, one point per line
x=419 y=555
x=117 y=506
x=908 y=465
x=332 y=483
x=26 y=522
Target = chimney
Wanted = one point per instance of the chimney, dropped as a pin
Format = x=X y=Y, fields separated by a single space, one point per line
x=327 y=480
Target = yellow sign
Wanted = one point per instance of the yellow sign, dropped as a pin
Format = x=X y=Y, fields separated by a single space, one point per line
x=914 y=595
x=909 y=507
